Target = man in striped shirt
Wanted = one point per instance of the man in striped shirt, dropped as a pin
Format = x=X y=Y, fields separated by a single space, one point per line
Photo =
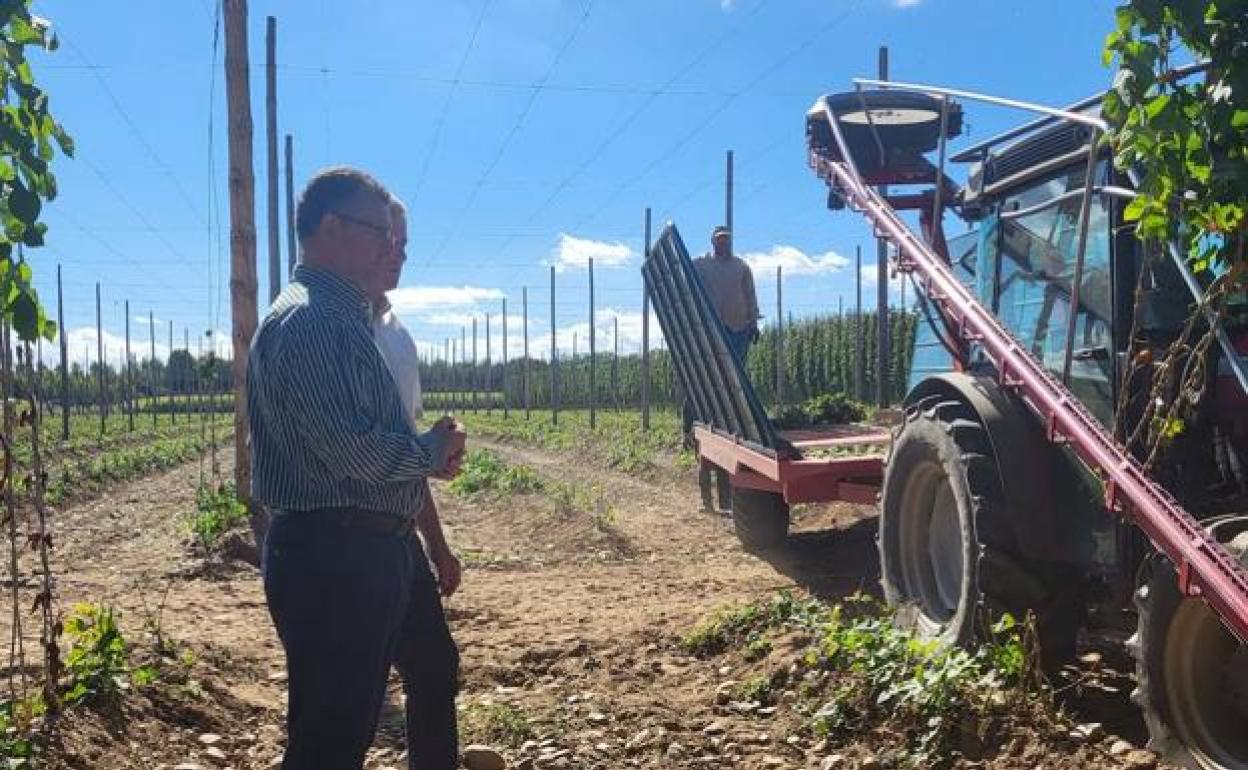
x=426 y=656
x=336 y=459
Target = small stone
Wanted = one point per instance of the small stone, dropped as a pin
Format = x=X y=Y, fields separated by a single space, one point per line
x=869 y=763
x=478 y=757
x=723 y=693
x=833 y=762
x=210 y=739
x=1141 y=759
x=794 y=740
x=725 y=670
x=766 y=711
x=715 y=728
x=597 y=718
x=188 y=766
x=674 y=750
x=770 y=760
x=217 y=754
x=639 y=741
x=1089 y=731
x=1120 y=747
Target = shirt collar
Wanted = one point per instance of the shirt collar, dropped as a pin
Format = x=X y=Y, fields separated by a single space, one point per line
x=335 y=289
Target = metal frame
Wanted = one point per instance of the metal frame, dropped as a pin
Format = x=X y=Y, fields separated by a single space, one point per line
x=1205 y=568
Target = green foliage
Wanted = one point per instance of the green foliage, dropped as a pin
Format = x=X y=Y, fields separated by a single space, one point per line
x=825 y=409
x=28 y=135
x=744 y=624
x=17 y=749
x=924 y=688
x=1188 y=140
x=497 y=724
x=484 y=470
x=756 y=689
x=217 y=510
x=96 y=658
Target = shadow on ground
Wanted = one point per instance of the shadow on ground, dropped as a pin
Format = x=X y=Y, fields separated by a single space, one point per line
x=830 y=563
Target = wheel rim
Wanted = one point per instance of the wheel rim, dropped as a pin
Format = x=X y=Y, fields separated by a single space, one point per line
x=930 y=541
x=1206 y=679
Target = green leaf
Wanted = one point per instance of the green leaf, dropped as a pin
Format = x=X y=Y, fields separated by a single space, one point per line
x=26 y=317
x=23 y=203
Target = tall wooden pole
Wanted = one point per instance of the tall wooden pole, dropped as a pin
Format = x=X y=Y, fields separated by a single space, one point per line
x=242 y=235
x=860 y=342
x=554 y=356
x=593 y=337
x=728 y=183
x=505 y=411
x=129 y=391
x=99 y=355
x=881 y=319
x=475 y=374
x=270 y=130
x=151 y=335
x=292 y=253
x=779 y=335
x=645 y=332
x=64 y=342
x=488 y=380
x=524 y=372
x=615 y=360
x=173 y=405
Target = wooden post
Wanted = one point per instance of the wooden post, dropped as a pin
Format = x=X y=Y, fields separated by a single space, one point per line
x=524 y=372
x=505 y=411
x=554 y=356
x=860 y=342
x=732 y=237
x=462 y=390
x=292 y=252
x=242 y=237
x=127 y=389
x=151 y=335
x=190 y=401
x=475 y=373
x=881 y=320
x=593 y=341
x=173 y=404
x=615 y=361
x=645 y=333
x=779 y=335
x=99 y=355
x=64 y=342
x=489 y=374
x=270 y=131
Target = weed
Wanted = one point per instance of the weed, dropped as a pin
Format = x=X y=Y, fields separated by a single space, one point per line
x=756 y=689
x=484 y=470
x=17 y=748
x=729 y=626
x=826 y=409
x=497 y=723
x=217 y=511
x=97 y=659
x=757 y=648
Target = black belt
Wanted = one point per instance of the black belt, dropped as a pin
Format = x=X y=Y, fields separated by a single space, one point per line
x=356 y=518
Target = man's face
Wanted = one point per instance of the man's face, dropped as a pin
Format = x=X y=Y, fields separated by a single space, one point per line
x=362 y=233
x=392 y=265
x=720 y=244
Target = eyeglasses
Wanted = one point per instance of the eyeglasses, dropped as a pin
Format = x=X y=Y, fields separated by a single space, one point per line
x=381 y=230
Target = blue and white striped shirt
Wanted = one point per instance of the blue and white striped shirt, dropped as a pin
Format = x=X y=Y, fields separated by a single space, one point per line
x=328 y=428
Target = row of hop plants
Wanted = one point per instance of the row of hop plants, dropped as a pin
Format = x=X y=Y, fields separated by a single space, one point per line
x=817 y=356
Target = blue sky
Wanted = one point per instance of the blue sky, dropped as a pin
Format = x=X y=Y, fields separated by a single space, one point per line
x=521 y=133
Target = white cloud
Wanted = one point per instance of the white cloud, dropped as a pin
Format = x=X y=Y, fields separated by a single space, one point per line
x=572 y=253
x=906 y=3
x=726 y=5
x=794 y=261
x=414 y=299
x=465 y=319
x=142 y=319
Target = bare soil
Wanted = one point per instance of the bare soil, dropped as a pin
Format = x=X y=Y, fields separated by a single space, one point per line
x=570 y=622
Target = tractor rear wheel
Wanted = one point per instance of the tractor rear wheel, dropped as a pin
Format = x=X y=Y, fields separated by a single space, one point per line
x=1192 y=673
x=947 y=556
x=761 y=519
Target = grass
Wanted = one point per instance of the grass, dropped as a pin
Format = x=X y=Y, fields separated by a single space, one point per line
x=616 y=441
x=485 y=471
x=876 y=677
x=496 y=724
x=217 y=511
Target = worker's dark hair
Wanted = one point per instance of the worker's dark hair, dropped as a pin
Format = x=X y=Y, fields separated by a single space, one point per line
x=329 y=190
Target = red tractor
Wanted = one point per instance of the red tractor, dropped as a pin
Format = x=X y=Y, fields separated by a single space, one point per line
x=1003 y=489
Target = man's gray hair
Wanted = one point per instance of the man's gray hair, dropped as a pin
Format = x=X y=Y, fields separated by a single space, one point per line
x=328 y=191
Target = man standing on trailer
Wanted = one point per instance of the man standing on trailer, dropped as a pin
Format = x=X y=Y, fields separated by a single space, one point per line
x=729 y=283
x=426 y=657
x=335 y=458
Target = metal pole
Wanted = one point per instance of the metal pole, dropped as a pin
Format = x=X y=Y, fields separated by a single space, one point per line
x=593 y=335
x=728 y=203
x=779 y=335
x=64 y=342
x=463 y=368
x=173 y=404
x=1085 y=210
x=524 y=372
x=270 y=130
x=554 y=356
x=292 y=253
x=129 y=395
x=860 y=342
x=475 y=374
x=615 y=361
x=489 y=375
x=881 y=253
x=99 y=353
x=505 y=410
x=645 y=335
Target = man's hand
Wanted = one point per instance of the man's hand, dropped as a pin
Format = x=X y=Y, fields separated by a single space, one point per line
x=450 y=571
x=448 y=430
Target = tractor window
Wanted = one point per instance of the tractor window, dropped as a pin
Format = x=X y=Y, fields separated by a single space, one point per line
x=930 y=355
x=1036 y=254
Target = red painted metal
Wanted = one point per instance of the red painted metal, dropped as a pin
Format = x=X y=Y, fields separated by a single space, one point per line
x=854 y=478
x=1210 y=570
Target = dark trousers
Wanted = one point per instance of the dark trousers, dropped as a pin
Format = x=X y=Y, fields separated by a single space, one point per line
x=347 y=603
x=428 y=662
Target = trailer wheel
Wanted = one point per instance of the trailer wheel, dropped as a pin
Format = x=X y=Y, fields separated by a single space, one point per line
x=1192 y=673
x=761 y=519
x=947 y=557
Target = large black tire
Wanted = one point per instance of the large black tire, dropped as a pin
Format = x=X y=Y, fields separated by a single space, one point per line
x=948 y=560
x=1191 y=673
x=761 y=519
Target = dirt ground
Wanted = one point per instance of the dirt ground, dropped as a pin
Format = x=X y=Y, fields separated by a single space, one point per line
x=571 y=624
